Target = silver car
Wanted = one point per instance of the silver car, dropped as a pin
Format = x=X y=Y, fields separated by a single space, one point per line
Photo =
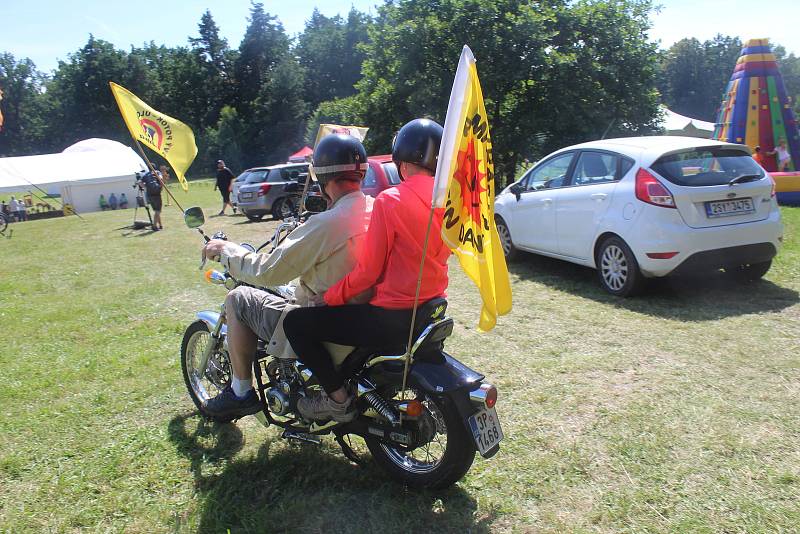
x=269 y=190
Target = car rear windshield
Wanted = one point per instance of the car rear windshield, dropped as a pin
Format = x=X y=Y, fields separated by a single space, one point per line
x=391 y=173
x=254 y=177
x=708 y=166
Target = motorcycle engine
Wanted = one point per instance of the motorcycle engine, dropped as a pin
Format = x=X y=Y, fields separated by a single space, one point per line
x=279 y=399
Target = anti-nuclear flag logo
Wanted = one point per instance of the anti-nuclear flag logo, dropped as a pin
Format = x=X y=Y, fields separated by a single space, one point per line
x=465 y=188
x=168 y=137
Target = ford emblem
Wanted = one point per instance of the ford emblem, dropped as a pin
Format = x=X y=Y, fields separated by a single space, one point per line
x=731 y=195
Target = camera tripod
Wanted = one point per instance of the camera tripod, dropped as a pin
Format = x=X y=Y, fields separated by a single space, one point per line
x=140 y=203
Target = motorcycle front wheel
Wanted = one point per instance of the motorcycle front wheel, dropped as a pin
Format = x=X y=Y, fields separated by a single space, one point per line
x=203 y=384
x=438 y=463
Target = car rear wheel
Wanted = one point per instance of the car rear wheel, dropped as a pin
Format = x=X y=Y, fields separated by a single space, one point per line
x=618 y=269
x=284 y=207
x=750 y=272
x=509 y=250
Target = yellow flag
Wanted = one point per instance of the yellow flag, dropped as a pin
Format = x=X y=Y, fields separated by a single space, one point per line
x=168 y=137
x=464 y=186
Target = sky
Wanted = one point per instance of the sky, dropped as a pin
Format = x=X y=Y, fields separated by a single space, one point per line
x=49 y=30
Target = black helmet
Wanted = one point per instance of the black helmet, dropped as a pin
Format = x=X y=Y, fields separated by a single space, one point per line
x=337 y=154
x=418 y=142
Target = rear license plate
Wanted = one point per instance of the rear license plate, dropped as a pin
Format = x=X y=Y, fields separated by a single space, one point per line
x=725 y=208
x=245 y=196
x=485 y=429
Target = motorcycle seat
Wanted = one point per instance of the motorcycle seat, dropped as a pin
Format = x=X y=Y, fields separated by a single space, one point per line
x=427 y=313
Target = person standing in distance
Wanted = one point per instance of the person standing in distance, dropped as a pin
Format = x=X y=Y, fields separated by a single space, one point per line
x=224 y=179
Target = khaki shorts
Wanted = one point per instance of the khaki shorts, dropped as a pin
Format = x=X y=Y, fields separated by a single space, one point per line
x=259 y=310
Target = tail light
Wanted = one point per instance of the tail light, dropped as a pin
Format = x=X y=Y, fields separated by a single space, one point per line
x=264 y=189
x=650 y=190
x=485 y=396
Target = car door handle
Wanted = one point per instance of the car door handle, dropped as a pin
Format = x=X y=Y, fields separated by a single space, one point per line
x=598 y=196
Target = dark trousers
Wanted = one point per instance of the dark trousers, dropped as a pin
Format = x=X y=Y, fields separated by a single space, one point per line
x=359 y=325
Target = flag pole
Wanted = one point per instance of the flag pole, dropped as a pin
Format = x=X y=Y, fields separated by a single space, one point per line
x=414 y=309
x=153 y=171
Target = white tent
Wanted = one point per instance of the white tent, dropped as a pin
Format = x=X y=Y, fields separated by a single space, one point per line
x=676 y=124
x=81 y=173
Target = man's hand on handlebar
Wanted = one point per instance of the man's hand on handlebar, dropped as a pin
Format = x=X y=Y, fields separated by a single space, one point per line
x=213 y=249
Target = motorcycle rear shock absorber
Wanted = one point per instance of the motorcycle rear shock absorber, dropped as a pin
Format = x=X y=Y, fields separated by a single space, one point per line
x=382 y=407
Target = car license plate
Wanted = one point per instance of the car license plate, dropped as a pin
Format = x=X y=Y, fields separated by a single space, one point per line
x=485 y=429
x=724 y=208
x=246 y=196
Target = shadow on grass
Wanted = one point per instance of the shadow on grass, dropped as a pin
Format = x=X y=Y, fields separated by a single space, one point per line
x=688 y=298
x=306 y=488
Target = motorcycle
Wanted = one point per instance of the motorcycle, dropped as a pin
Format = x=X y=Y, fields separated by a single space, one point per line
x=421 y=413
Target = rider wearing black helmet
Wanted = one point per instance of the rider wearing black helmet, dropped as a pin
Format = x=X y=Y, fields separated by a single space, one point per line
x=388 y=264
x=318 y=252
x=339 y=157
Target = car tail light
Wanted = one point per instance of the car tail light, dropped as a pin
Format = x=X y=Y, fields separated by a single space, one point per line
x=772 y=185
x=650 y=190
x=264 y=189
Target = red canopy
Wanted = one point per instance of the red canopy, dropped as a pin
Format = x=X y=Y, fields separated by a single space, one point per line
x=301 y=155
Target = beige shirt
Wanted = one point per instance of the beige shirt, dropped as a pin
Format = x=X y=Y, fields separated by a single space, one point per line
x=318 y=253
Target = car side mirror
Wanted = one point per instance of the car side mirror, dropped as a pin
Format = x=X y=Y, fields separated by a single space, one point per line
x=516 y=189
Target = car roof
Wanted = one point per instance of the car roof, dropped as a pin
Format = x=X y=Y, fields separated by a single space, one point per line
x=278 y=166
x=381 y=158
x=654 y=145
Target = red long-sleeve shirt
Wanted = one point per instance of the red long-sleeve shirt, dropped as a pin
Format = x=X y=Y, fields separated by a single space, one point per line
x=388 y=259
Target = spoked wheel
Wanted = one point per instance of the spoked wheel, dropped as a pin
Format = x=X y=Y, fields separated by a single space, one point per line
x=443 y=454
x=203 y=384
x=618 y=269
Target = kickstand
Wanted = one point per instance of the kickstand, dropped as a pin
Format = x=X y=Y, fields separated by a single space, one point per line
x=348 y=452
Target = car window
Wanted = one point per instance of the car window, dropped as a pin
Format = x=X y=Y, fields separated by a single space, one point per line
x=707 y=166
x=391 y=173
x=624 y=166
x=256 y=177
x=595 y=168
x=369 y=180
x=277 y=175
x=550 y=174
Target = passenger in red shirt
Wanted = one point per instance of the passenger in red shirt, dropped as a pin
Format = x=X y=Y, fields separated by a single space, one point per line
x=388 y=261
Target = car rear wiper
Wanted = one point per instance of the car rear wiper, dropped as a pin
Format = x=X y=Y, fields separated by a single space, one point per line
x=744 y=178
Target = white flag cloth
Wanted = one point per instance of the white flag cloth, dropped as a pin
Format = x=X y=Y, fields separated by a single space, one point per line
x=453 y=124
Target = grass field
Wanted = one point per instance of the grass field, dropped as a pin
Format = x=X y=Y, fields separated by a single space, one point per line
x=674 y=412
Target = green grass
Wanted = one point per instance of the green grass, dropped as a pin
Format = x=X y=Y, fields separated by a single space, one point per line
x=674 y=412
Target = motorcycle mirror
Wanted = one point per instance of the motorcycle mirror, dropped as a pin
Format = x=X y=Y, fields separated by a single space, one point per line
x=193 y=217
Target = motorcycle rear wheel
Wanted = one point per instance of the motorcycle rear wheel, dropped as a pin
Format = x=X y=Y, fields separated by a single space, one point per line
x=214 y=378
x=438 y=464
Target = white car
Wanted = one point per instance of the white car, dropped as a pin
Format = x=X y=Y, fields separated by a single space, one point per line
x=644 y=207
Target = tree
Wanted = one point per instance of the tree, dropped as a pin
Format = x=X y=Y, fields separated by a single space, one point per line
x=79 y=96
x=279 y=116
x=552 y=72
x=694 y=75
x=225 y=140
x=215 y=59
x=263 y=47
x=329 y=49
x=22 y=106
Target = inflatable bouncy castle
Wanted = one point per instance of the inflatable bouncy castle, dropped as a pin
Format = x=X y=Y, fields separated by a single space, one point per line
x=757 y=112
